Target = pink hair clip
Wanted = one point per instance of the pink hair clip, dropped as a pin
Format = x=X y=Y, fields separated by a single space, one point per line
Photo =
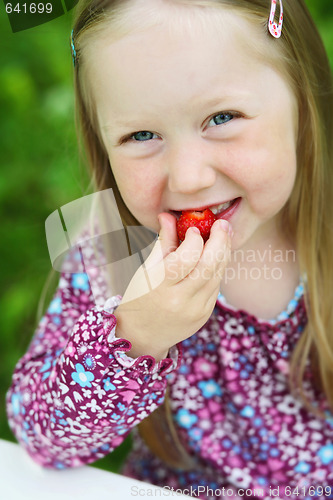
x=275 y=29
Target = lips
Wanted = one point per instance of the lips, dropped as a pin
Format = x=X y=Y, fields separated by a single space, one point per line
x=221 y=211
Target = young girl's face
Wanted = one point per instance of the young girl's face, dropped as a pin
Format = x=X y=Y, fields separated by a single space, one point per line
x=191 y=119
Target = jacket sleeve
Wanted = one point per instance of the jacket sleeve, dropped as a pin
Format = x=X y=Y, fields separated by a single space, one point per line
x=75 y=394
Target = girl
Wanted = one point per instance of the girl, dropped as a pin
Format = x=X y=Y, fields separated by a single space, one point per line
x=186 y=105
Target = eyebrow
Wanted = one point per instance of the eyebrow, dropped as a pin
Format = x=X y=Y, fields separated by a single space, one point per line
x=218 y=101
x=124 y=124
x=212 y=103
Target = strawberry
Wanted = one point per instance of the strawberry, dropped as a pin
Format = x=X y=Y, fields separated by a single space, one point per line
x=202 y=220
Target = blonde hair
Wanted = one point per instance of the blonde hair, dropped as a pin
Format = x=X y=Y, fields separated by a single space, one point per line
x=307 y=217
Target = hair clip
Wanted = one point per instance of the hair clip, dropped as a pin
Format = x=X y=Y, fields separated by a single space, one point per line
x=275 y=29
x=73 y=48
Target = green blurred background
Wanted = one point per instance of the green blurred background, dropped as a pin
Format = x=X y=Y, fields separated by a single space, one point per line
x=40 y=170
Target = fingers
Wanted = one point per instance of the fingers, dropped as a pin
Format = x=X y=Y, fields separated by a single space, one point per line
x=192 y=259
x=168 y=234
x=217 y=250
x=216 y=253
x=156 y=265
x=183 y=260
x=213 y=261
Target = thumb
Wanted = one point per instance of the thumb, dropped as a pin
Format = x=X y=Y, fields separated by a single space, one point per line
x=168 y=233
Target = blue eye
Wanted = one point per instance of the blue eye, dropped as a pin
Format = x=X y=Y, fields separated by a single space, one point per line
x=143 y=135
x=220 y=119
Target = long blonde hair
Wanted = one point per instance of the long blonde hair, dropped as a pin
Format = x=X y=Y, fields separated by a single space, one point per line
x=307 y=218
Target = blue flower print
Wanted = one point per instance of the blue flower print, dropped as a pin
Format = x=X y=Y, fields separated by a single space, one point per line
x=195 y=433
x=81 y=281
x=55 y=306
x=77 y=256
x=262 y=481
x=247 y=412
x=108 y=386
x=227 y=443
x=89 y=361
x=81 y=376
x=121 y=407
x=326 y=454
x=60 y=465
x=46 y=368
x=254 y=439
x=105 y=447
x=302 y=467
x=16 y=403
x=184 y=369
x=232 y=408
x=185 y=419
x=114 y=416
x=251 y=330
x=24 y=437
x=210 y=388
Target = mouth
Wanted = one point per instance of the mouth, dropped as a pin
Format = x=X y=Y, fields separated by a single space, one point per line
x=221 y=211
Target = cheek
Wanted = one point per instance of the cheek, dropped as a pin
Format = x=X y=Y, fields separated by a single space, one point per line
x=272 y=184
x=139 y=187
x=267 y=149
x=265 y=174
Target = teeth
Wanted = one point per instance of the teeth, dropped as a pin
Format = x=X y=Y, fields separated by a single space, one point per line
x=222 y=206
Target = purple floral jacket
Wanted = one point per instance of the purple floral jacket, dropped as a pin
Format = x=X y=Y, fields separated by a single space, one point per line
x=76 y=395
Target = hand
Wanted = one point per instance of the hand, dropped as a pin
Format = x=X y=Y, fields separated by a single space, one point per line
x=174 y=292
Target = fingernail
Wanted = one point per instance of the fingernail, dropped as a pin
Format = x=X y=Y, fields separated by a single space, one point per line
x=195 y=229
x=225 y=225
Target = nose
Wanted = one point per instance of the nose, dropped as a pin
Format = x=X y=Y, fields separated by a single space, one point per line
x=190 y=167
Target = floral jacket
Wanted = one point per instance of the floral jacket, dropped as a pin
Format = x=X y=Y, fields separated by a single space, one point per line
x=76 y=395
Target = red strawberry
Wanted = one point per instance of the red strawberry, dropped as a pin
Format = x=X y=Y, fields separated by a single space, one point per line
x=202 y=220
